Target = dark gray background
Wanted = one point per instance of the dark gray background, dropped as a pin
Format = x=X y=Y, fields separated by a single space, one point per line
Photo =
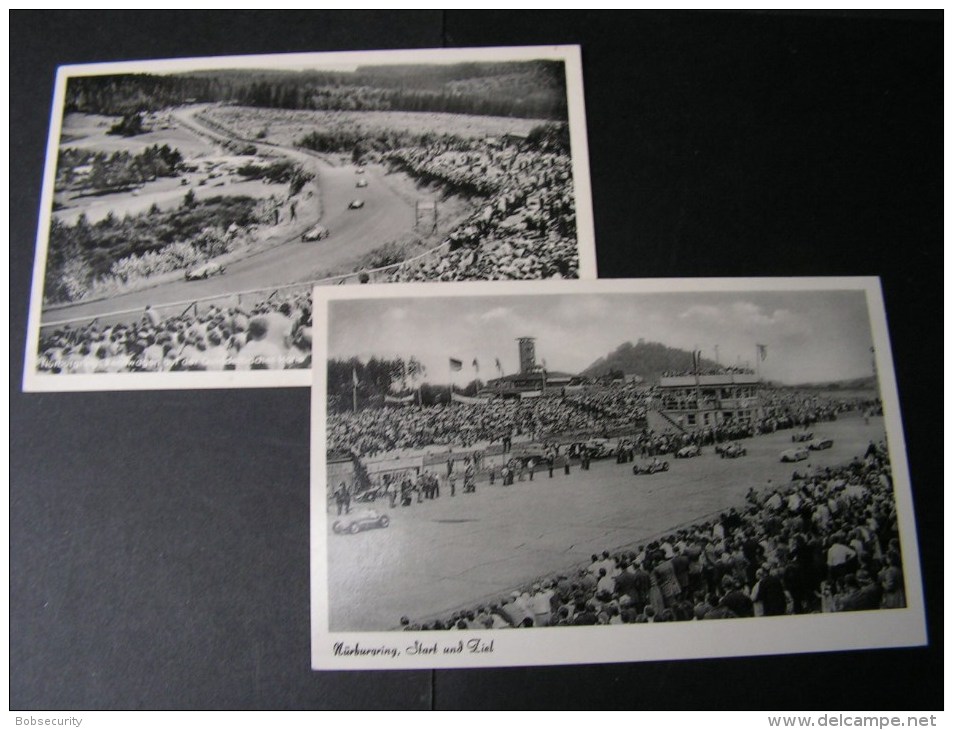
x=159 y=541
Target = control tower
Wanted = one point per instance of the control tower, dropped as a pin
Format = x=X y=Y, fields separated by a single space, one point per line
x=527 y=354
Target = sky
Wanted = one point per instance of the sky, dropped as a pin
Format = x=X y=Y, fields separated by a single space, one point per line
x=811 y=336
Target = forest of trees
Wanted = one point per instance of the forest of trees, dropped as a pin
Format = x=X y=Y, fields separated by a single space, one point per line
x=375 y=379
x=378 y=377
x=527 y=89
x=80 y=169
x=80 y=253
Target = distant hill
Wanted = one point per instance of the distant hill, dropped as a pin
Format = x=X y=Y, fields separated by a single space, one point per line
x=868 y=382
x=645 y=359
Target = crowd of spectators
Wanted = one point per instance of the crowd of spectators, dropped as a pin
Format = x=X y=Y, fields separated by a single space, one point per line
x=594 y=411
x=376 y=430
x=525 y=229
x=824 y=543
x=720 y=370
x=271 y=335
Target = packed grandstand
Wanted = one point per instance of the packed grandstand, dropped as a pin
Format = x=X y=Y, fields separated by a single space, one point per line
x=271 y=335
x=524 y=229
x=598 y=410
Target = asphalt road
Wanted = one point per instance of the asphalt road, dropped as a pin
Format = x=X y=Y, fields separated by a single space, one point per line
x=457 y=552
x=354 y=233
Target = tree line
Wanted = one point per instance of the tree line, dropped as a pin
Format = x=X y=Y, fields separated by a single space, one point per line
x=531 y=89
x=371 y=381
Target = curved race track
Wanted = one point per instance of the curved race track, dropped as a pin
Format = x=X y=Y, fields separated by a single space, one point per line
x=354 y=233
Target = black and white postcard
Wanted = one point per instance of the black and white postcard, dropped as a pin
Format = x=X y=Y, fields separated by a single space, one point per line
x=607 y=471
x=190 y=206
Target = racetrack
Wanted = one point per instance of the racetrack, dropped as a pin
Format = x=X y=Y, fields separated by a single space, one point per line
x=457 y=552
x=354 y=233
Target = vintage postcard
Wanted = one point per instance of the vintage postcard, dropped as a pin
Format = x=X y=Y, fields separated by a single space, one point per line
x=607 y=471
x=190 y=206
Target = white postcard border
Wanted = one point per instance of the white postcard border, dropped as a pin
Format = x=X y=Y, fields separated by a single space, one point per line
x=608 y=644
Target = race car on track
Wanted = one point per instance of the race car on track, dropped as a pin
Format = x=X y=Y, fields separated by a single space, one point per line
x=688 y=452
x=802 y=436
x=358 y=520
x=355 y=204
x=362 y=183
x=650 y=467
x=819 y=444
x=204 y=271
x=599 y=448
x=732 y=451
x=315 y=234
x=359 y=170
x=796 y=454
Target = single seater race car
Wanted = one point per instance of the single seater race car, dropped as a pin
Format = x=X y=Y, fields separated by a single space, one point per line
x=732 y=451
x=357 y=520
x=355 y=204
x=362 y=183
x=317 y=233
x=650 y=467
x=796 y=454
x=204 y=271
x=688 y=452
x=819 y=444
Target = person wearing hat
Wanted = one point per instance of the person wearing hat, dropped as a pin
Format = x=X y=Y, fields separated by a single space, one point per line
x=260 y=352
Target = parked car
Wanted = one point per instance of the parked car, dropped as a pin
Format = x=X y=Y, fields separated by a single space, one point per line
x=204 y=271
x=364 y=519
x=733 y=451
x=362 y=183
x=524 y=457
x=355 y=204
x=819 y=444
x=317 y=233
x=688 y=452
x=797 y=454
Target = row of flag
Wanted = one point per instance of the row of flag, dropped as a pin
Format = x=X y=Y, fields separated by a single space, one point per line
x=457 y=365
x=697 y=356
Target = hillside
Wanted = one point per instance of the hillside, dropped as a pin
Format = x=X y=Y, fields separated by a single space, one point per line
x=645 y=359
x=868 y=382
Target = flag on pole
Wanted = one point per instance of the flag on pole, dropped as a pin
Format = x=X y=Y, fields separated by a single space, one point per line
x=499 y=367
x=696 y=360
x=476 y=365
x=762 y=351
x=456 y=365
